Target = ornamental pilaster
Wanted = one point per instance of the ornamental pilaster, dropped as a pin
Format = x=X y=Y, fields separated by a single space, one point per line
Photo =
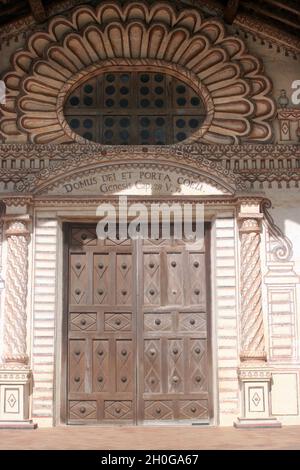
x=251 y=320
x=15 y=317
x=255 y=376
x=15 y=373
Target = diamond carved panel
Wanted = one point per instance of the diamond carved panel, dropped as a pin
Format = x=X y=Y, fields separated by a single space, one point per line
x=192 y=322
x=124 y=279
x=83 y=321
x=101 y=369
x=193 y=409
x=158 y=321
x=175 y=366
x=175 y=279
x=101 y=279
x=11 y=400
x=83 y=409
x=77 y=365
x=117 y=321
x=78 y=279
x=85 y=237
x=124 y=365
x=159 y=410
x=152 y=366
x=197 y=365
x=151 y=278
x=118 y=409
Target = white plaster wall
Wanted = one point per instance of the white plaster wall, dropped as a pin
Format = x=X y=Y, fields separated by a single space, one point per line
x=224 y=257
x=1 y=290
x=282 y=307
x=44 y=324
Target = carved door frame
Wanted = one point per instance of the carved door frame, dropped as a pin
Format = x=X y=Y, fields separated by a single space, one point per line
x=64 y=337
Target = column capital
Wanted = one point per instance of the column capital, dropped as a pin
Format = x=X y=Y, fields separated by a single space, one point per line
x=250 y=208
x=17 y=225
x=249 y=223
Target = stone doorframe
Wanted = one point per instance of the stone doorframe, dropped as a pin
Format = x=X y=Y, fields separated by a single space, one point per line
x=16 y=369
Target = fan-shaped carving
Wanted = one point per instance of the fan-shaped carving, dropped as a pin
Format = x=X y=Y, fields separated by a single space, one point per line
x=229 y=79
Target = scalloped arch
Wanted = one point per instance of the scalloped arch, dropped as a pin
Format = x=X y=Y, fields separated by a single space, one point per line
x=236 y=90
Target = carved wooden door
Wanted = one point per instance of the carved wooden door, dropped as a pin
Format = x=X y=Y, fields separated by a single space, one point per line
x=137 y=330
x=173 y=351
x=102 y=363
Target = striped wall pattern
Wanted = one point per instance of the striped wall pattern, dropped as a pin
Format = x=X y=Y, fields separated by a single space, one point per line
x=226 y=315
x=282 y=323
x=44 y=312
x=1 y=292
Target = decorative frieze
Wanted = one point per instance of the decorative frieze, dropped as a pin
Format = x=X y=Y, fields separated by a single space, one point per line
x=53 y=179
x=271 y=165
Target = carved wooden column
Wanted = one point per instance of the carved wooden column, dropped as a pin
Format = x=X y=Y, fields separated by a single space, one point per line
x=254 y=374
x=15 y=373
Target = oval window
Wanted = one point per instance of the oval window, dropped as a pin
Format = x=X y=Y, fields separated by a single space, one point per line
x=138 y=108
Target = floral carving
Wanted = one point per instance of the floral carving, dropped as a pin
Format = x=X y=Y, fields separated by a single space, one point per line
x=238 y=92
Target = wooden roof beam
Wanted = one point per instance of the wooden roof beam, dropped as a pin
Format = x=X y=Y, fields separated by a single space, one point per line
x=270 y=14
x=231 y=10
x=11 y=9
x=284 y=6
x=38 y=11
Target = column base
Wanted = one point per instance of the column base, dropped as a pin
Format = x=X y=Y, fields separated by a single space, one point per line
x=15 y=389
x=244 y=423
x=255 y=381
x=27 y=424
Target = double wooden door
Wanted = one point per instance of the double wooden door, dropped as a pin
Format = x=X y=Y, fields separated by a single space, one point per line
x=137 y=316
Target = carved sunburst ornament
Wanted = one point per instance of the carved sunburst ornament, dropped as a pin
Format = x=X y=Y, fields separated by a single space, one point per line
x=230 y=81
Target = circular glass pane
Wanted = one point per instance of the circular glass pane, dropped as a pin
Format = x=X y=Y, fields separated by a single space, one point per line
x=88 y=88
x=74 y=123
x=74 y=100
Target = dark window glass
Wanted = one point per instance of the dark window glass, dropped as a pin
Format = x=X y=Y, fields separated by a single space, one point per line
x=139 y=108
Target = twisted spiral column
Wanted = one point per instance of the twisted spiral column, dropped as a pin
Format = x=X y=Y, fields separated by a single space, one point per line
x=15 y=320
x=252 y=328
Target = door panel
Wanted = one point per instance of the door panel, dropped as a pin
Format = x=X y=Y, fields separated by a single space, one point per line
x=174 y=338
x=101 y=329
x=138 y=325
